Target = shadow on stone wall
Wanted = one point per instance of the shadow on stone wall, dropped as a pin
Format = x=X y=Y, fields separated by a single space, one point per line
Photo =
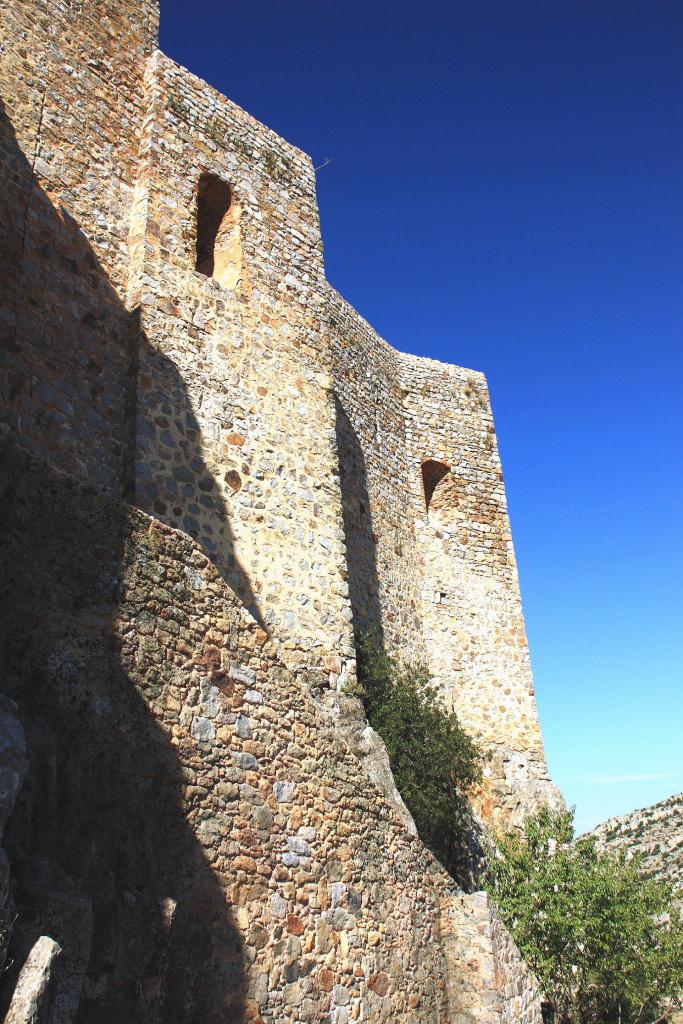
x=102 y=855
x=80 y=382
x=99 y=839
x=361 y=544
x=462 y=851
x=171 y=478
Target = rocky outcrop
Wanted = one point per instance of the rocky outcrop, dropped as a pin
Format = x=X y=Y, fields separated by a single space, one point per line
x=654 y=833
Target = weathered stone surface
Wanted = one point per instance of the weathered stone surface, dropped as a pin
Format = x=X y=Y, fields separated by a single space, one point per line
x=13 y=768
x=431 y=563
x=376 y=761
x=60 y=910
x=488 y=981
x=281 y=870
x=13 y=760
x=31 y=999
x=198 y=773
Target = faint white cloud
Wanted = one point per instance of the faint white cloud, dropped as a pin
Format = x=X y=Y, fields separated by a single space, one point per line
x=616 y=780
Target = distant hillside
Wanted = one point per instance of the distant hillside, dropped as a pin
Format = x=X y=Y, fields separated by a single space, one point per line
x=656 y=832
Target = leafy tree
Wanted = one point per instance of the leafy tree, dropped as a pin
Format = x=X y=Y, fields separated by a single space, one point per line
x=433 y=761
x=605 y=942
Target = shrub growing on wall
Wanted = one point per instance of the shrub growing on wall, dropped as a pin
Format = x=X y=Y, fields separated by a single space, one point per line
x=433 y=761
x=605 y=942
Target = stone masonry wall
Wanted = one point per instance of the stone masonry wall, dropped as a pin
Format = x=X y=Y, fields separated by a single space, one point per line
x=72 y=98
x=240 y=452
x=519 y=991
x=471 y=606
x=230 y=409
x=208 y=406
x=193 y=831
x=197 y=827
x=441 y=583
x=492 y=984
x=383 y=562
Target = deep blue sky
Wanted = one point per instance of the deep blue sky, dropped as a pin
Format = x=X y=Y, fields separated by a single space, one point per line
x=506 y=193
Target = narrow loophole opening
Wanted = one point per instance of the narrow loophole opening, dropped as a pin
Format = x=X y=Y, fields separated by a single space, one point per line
x=219 y=250
x=433 y=473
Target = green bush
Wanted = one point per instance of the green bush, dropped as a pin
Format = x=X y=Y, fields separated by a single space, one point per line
x=433 y=761
x=605 y=942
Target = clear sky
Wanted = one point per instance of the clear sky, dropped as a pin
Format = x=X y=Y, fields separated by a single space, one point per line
x=506 y=192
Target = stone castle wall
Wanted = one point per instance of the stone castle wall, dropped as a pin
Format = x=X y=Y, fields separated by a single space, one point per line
x=199 y=822
x=236 y=442
x=72 y=105
x=434 y=571
x=193 y=830
x=383 y=560
x=261 y=415
x=471 y=607
x=488 y=981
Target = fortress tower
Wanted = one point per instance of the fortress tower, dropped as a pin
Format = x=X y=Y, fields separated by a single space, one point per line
x=171 y=346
